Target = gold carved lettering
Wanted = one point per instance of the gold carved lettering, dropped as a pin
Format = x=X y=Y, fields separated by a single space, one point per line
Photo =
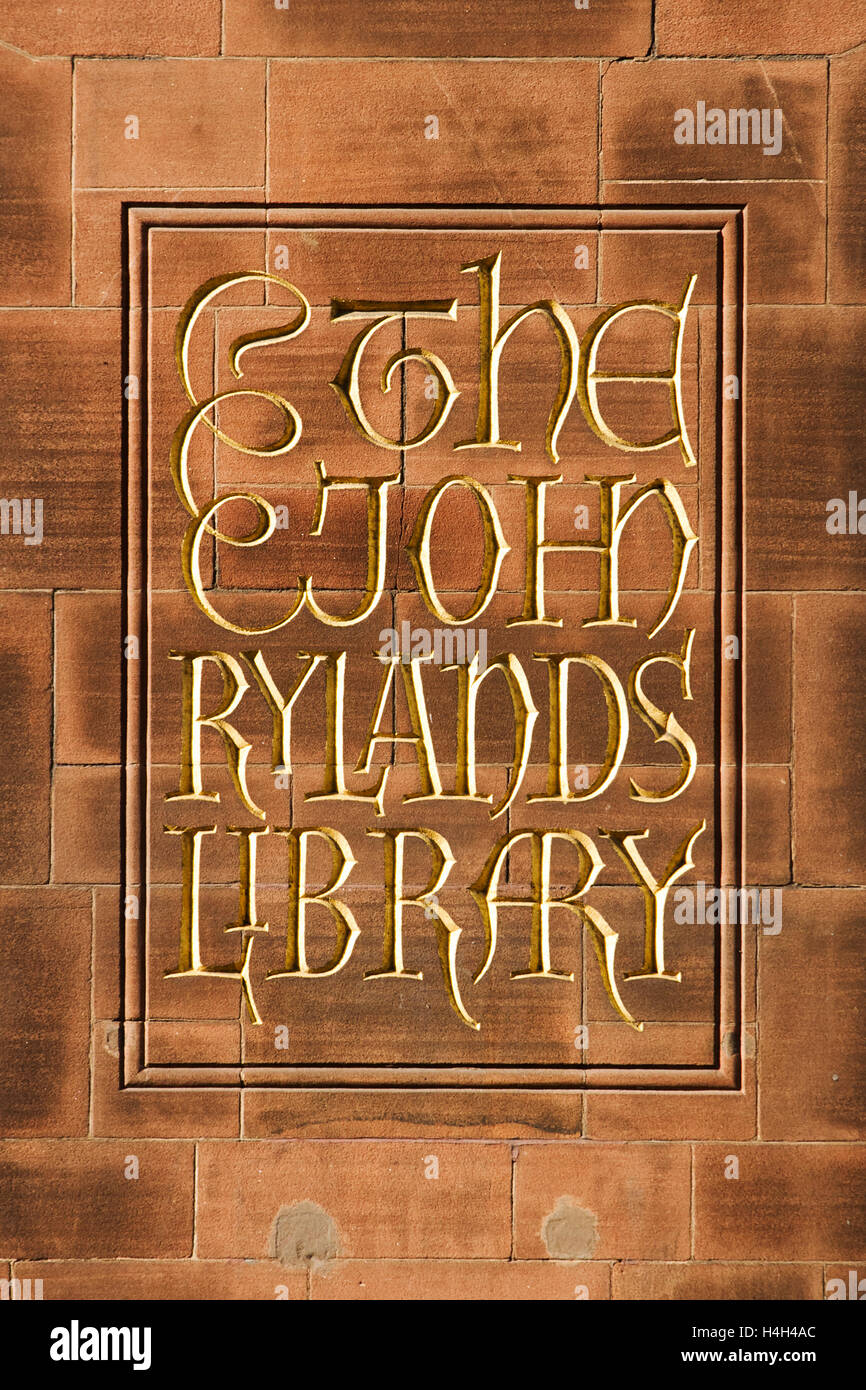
x=347 y=381
x=447 y=931
x=589 y=375
x=613 y=518
x=493 y=341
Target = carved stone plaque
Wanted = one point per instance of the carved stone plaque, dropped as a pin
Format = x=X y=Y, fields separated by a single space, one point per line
x=434 y=693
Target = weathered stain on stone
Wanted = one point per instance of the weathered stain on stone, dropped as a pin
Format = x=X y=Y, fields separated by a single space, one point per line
x=729 y=1044
x=111 y=1039
x=304 y=1236
x=570 y=1232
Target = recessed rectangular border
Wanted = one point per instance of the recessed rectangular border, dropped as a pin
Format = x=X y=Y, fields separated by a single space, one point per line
x=727 y=1073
